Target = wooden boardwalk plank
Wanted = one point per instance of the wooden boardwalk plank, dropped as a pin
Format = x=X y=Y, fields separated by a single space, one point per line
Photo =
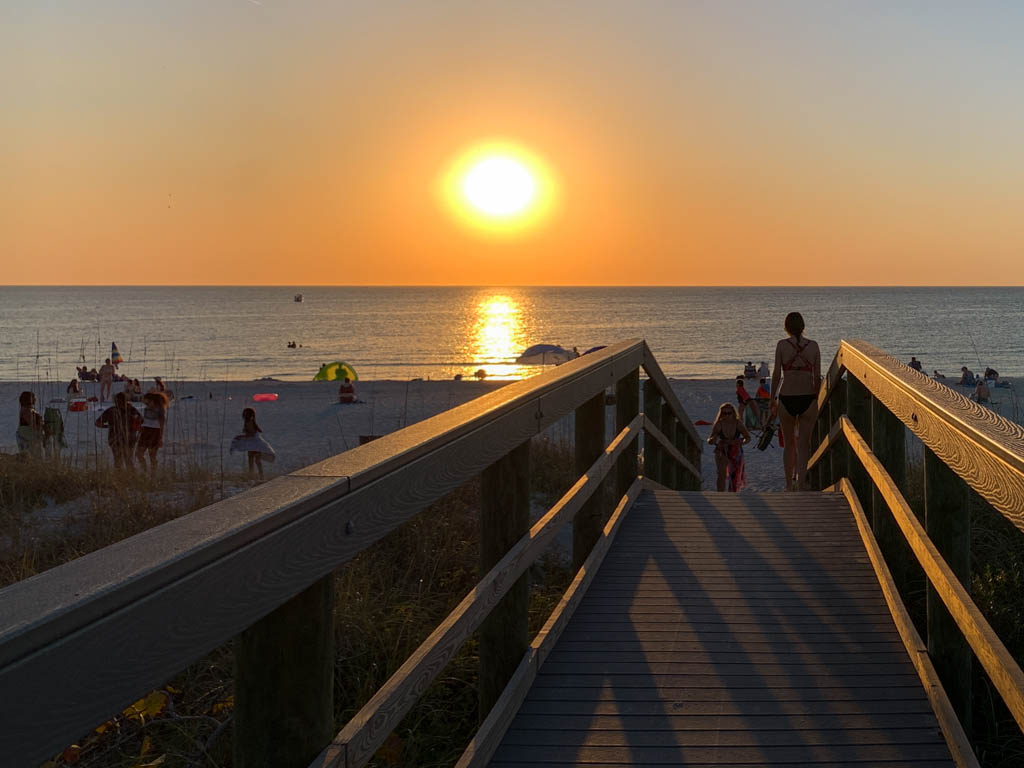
x=729 y=629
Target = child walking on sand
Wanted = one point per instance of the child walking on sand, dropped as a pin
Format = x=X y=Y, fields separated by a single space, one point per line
x=154 y=417
x=252 y=442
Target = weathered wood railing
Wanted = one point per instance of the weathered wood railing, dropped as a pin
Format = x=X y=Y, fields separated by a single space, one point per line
x=80 y=642
x=867 y=403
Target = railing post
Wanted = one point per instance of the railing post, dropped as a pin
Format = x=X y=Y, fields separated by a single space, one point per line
x=504 y=519
x=652 y=412
x=284 y=682
x=627 y=406
x=948 y=523
x=590 y=436
x=888 y=443
x=858 y=409
x=683 y=478
x=823 y=469
x=838 y=458
x=668 y=429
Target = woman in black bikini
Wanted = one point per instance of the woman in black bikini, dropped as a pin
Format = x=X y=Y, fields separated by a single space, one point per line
x=798 y=364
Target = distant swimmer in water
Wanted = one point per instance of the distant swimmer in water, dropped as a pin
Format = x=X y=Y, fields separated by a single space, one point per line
x=914 y=363
x=794 y=398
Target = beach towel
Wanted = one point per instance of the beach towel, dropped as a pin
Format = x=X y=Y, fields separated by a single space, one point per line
x=735 y=470
x=246 y=443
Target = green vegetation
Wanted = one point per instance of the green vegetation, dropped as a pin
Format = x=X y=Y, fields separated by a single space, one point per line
x=389 y=599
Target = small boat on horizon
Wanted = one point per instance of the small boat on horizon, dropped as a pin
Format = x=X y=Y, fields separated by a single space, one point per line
x=299 y=297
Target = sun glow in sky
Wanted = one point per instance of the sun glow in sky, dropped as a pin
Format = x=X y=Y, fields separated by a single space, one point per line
x=498 y=187
x=790 y=142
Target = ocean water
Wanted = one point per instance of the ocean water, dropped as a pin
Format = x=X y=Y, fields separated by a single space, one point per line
x=242 y=333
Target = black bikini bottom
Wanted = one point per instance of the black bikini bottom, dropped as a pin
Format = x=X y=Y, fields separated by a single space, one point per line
x=796 y=404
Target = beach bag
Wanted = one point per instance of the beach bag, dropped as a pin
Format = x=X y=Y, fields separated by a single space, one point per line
x=766 y=436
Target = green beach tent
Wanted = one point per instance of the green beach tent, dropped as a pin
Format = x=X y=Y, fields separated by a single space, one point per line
x=336 y=371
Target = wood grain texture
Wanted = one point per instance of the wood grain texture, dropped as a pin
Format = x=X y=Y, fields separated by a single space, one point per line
x=669 y=659
x=956 y=738
x=143 y=609
x=983 y=448
x=1004 y=672
x=947 y=519
x=493 y=729
x=368 y=729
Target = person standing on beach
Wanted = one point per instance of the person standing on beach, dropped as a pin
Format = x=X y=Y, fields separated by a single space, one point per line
x=106 y=380
x=252 y=442
x=728 y=435
x=30 y=425
x=122 y=422
x=151 y=439
x=795 y=398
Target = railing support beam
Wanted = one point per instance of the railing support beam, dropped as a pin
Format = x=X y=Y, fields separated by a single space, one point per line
x=948 y=522
x=652 y=410
x=668 y=464
x=590 y=520
x=284 y=682
x=627 y=406
x=858 y=408
x=504 y=520
x=888 y=443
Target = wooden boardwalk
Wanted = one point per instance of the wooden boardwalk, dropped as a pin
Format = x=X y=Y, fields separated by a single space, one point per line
x=728 y=630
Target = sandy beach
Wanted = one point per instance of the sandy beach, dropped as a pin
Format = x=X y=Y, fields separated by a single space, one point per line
x=306 y=424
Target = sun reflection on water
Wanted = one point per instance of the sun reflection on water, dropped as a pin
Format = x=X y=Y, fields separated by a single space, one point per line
x=498 y=336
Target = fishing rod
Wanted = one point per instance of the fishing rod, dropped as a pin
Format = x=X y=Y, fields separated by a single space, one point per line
x=976 y=353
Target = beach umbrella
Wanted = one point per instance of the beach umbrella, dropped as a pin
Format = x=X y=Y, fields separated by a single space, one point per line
x=115 y=356
x=336 y=371
x=544 y=354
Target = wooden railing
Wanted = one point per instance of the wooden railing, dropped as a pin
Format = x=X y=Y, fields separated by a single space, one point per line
x=81 y=641
x=867 y=403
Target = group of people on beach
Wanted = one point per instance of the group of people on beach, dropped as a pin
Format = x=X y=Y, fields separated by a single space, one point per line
x=791 y=398
x=129 y=433
x=982 y=393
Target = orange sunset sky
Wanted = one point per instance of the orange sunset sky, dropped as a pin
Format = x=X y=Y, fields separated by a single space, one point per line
x=726 y=142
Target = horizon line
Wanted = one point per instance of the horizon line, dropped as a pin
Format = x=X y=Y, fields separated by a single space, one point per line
x=291 y=286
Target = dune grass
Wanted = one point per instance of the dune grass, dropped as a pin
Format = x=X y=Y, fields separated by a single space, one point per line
x=389 y=599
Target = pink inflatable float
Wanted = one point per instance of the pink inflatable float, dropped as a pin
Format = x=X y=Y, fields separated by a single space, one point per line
x=265 y=397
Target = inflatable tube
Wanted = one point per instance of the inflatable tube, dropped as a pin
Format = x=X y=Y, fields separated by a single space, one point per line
x=265 y=397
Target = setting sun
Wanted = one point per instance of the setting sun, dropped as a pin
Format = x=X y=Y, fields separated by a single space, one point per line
x=499 y=187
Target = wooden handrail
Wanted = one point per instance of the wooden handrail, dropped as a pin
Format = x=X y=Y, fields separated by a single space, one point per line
x=997 y=661
x=667 y=445
x=357 y=742
x=654 y=372
x=983 y=448
x=109 y=626
x=483 y=745
x=953 y=731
